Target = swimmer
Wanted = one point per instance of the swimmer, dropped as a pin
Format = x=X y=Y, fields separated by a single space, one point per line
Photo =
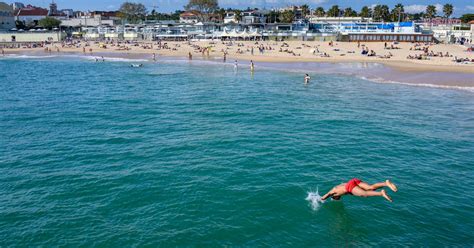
x=236 y=65
x=252 y=65
x=103 y=60
x=306 y=79
x=358 y=188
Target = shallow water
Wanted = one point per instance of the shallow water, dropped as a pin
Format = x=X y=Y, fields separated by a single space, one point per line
x=180 y=154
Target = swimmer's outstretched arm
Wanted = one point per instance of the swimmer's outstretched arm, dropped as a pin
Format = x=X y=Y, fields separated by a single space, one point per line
x=328 y=194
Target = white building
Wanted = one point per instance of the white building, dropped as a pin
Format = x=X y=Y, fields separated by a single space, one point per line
x=86 y=21
x=231 y=17
x=338 y=20
x=17 y=5
x=7 y=21
x=30 y=14
x=189 y=17
x=253 y=17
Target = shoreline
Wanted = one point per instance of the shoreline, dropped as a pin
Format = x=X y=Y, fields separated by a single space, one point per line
x=373 y=70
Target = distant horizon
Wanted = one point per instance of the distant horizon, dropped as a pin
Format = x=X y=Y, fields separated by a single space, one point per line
x=166 y=6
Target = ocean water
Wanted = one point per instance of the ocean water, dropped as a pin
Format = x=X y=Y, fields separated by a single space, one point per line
x=197 y=154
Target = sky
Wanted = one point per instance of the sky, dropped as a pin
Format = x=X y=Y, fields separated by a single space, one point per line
x=460 y=6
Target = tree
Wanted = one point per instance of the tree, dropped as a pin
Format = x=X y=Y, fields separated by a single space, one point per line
x=349 y=12
x=221 y=12
x=287 y=16
x=20 y=25
x=467 y=18
x=430 y=11
x=448 y=10
x=365 y=12
x=319 y=12
x=381 y=13
x=333 y=11
x=238 y=15
x=397 y=12
x=273 y=17
x=132 y=12
x=203 y=6
x=305 y=10
x=49 y=22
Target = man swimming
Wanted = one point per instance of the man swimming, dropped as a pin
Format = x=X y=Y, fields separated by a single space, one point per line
x=306 y=79
x=358 y=188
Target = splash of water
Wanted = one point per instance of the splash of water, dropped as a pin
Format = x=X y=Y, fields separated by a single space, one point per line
x=315 y=200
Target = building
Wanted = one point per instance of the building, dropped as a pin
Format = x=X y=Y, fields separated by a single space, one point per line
x=402 y=32
x=7 y=21
x=17 y=5
x=231 y=17
x=338 y=20
x=53 y=9
x=30 y=14
x=190 y=17
x=89 y=20
x=253 y=16
x=67 y=12
x=437 y=21
x=472 y=31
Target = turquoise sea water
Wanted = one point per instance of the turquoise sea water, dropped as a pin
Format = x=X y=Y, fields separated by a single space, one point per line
x=195 y=154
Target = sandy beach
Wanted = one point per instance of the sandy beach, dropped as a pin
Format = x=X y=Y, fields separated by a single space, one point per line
x=395 y=55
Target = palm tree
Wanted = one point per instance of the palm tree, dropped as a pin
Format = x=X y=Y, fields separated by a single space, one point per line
x=381 y=12
x=319 y=12
x=305 y=10
x=430 y=11
x=238 y=15
x=288 y=16
x=349 y=12
x=448 y=11
x=397 y=12
x=333 y=11
x=365 y=12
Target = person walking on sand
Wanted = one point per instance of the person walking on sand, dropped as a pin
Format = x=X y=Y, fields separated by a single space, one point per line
x=306 y=79
x=359 y=188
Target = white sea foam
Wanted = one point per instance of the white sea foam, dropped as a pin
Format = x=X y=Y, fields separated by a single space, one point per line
x=315 y=200
x=24 y=56
x=438 y=86
x=113 y=59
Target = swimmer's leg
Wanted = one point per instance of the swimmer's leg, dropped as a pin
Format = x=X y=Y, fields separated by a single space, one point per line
x=366 y=186
x=387 y=183
x=358 y=191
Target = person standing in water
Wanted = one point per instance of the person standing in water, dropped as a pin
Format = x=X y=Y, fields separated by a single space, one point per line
x=190 y=56
x=252 y=66
x=154 y=56
x=3 y=52
x=236 y=65
x=359 y=188
x=306 y=79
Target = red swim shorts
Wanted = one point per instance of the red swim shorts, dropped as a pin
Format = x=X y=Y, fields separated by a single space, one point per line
x=351 y=184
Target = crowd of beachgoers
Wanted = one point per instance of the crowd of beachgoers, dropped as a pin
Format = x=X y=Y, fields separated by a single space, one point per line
x=278 y=51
